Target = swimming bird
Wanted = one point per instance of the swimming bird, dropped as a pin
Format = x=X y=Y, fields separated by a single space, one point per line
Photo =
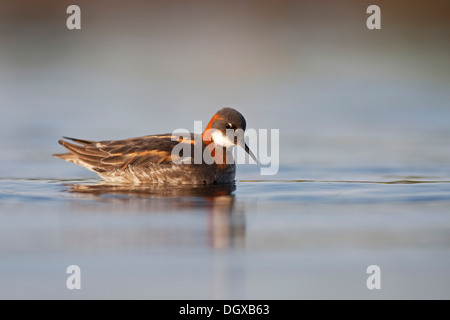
x=150 y=159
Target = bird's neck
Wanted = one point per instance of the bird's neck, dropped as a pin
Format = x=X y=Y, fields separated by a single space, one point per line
x=206 y=135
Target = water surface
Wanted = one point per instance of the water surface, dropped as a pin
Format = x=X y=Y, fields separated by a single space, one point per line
x=259 y=239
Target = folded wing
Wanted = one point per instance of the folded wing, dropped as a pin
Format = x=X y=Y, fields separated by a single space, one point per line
x=113 y=155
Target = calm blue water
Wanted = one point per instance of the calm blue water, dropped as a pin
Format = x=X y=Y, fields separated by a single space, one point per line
x=260 y=239
x=364 y=179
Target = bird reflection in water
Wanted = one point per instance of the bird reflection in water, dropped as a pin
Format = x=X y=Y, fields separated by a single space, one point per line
x=225 y=226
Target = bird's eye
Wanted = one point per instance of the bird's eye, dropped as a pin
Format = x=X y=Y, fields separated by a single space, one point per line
x=228 y=126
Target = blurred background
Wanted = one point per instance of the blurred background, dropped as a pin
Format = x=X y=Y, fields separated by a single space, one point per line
x=363 y=114
x=340 y=94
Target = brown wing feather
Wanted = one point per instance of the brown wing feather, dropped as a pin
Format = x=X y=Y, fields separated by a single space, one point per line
x=119 y=154
x=80 y=141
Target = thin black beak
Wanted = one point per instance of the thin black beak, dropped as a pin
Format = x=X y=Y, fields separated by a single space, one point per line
x=243 y=145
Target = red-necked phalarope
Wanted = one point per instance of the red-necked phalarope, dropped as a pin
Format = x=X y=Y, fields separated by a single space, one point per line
x=149 y=159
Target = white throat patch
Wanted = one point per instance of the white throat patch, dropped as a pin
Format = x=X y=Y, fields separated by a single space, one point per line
x=221 y=140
